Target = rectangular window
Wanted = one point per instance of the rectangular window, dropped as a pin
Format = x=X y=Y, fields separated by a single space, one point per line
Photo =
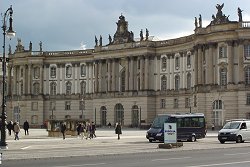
x=187 y=102
x=163 y=103
x=34 y=106
x=83 y=70
x=82 y=105
x=247 y=51
x=52 y=105
x=248 y=99
x=222 y=52
x=53 y=72
x=67 y=105
x=176 y=105
x=177 y=62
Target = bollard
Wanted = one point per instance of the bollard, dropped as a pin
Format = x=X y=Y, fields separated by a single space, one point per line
x=1 y=154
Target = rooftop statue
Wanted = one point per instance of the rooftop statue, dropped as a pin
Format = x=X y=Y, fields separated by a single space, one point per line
x=220 y=17
x=122 y=34
x=240 y=14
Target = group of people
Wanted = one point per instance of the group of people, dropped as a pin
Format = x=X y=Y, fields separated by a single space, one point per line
x=15 y=127
x=86 y=130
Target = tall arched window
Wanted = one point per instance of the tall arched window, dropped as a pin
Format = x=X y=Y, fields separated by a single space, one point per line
x=189 y=81
x=135 y=116
x=83 y=70
x=247 y=76
x=53 y=72
x=83 y=87
x=119 y=113
x=36 y=88
x=164 y=63
x=177 y=82
x=36 y=73
x=177 y=62
x=68 y=88
x=103 y=115
x=53 y=88
x=68 y=71
x=163 y=83
x=188 y=60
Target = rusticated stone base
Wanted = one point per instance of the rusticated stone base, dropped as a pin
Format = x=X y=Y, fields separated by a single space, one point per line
x=170 y=145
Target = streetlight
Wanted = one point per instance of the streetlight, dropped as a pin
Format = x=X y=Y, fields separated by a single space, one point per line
x=9 y=33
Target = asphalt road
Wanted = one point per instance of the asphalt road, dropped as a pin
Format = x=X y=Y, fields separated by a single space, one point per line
x=229 y=157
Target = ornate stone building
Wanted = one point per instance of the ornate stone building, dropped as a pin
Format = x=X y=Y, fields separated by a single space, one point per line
x=132 y=80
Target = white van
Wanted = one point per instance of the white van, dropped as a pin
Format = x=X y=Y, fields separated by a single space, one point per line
x=235 y=130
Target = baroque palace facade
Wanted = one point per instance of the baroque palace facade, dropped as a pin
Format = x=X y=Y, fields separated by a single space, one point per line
x=132 y=80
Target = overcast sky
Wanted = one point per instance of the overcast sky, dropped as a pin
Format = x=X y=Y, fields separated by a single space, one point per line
x=73 y=24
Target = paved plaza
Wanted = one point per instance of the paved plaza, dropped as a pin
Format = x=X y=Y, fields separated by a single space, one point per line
x=38 y=145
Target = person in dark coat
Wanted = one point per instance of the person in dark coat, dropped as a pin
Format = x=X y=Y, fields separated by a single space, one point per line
x=10 y=127
x=118 y=130
x=26 y=127
x=78 y=129
x=63 y=129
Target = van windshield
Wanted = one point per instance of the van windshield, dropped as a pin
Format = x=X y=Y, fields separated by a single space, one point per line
x=159 y=121
x=232 y=125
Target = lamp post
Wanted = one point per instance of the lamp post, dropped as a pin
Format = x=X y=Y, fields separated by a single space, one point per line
x=9 y=33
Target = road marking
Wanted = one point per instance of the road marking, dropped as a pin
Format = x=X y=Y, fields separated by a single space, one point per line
x=238 y=153
x=82 y=165
x=170 y=159
x=24 y=148
x=222 y=164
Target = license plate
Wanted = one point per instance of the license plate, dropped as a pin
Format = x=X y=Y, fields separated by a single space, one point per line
x=151 y=138
x=224 y=138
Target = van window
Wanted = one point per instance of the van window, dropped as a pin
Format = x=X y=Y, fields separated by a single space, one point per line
x=232 y=125
x=243 y=126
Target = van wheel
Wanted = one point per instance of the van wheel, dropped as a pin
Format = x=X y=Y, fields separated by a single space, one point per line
x=192 y=139
x=222 y=141
x=150 y=140
x=238 y=139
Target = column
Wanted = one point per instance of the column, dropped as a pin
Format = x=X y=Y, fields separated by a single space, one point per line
x=100 y=76
x=230 y=62
x=141 y=72
x=210 y=67
x=240 y=62
x=96 y=76
x=113 y=75
x=127 y=74
x=41 y=79
x=199 y=65
x=29 y=79
x=87 y=77
x=9 y=80
x=91 y=67
x=109 y=75
x=146 y=72
x=131 y=74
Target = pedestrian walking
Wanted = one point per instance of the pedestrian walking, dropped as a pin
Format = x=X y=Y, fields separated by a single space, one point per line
x=78 y=129
x=89 y=131
x=63 y=129
x=26 y=127
x=10 y=127
x=109 y=125
x=118 y=130
x=16 y=130
x=93 y=129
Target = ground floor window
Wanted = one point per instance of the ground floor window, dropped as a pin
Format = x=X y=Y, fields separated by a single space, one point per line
x=135 y=116
x=103 y=113
x=119 y=113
